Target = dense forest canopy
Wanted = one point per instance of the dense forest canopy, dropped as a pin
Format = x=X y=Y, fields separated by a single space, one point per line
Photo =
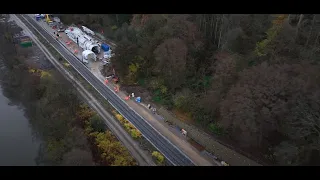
x=255 y=77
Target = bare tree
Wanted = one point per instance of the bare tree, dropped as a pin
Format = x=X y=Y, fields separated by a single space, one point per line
x=171 y=60
x=263 y=98
x=221 y=27
x=312 y=26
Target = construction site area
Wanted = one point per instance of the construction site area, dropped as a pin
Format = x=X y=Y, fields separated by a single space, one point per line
x=84 y=44
x=96 y=54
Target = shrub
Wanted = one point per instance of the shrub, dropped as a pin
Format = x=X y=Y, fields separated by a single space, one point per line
x=158 y=156
x=215 y=128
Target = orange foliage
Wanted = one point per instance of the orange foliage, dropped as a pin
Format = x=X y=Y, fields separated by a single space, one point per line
x=84 y=113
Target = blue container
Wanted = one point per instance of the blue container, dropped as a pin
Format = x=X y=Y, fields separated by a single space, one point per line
x=105 y=47
x=138 y=99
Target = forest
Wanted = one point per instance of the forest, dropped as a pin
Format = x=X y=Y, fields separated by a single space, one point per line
x=71 y=133
x=253 y=79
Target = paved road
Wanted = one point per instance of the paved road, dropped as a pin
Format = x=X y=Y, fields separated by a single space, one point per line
x=135 y=150
x=171 y=152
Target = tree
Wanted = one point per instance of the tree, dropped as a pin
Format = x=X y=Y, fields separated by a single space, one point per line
x=251 y=74
x=171 y=61
x=97 y=123
x=77 y=157
x=159 y=157
x=111 y=150
x=124 y=56
x=269 y=105
x=84 y=113
x=50 y=105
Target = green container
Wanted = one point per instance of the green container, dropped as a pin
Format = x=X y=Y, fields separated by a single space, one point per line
x=26 y=44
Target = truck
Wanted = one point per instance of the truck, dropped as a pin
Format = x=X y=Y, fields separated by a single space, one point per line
x=88 y=55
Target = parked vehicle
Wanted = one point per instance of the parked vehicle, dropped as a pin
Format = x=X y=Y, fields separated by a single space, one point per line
x=61 y=28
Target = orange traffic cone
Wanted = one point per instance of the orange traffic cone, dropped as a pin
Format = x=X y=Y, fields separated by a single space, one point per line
x=116 y=89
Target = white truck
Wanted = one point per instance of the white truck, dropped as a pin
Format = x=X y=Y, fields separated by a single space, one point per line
x=88 y=55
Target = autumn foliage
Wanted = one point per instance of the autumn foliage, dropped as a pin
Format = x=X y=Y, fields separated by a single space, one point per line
x=107 y=149
x=251 y=80
x=134 y=132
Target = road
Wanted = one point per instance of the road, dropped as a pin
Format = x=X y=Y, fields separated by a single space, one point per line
x=170 y=151
x=141 y=156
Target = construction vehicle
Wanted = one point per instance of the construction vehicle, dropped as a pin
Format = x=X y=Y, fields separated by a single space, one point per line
x=48 y=18
x=37 y=17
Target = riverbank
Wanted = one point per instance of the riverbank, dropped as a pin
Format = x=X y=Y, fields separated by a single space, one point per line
x=15 y=134
x=53 y=107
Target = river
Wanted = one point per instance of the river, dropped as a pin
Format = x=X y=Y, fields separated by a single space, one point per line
x=17 y=145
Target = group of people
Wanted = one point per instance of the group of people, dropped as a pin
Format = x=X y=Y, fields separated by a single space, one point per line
x=149 y=106
x=131 y=95
x=57 y=35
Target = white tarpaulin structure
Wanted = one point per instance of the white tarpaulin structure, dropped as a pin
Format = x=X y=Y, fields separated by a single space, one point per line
x=87 y=30
x=84 y=41
x=88 y=55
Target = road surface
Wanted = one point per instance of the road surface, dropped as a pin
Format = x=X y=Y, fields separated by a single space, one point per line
x=170 y=151
x=141 y=156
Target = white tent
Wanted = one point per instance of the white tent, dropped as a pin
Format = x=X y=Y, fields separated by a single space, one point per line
x=84 y=41
x=88 y=55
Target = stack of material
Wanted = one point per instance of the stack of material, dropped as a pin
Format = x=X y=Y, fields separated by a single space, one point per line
x=25 y=41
